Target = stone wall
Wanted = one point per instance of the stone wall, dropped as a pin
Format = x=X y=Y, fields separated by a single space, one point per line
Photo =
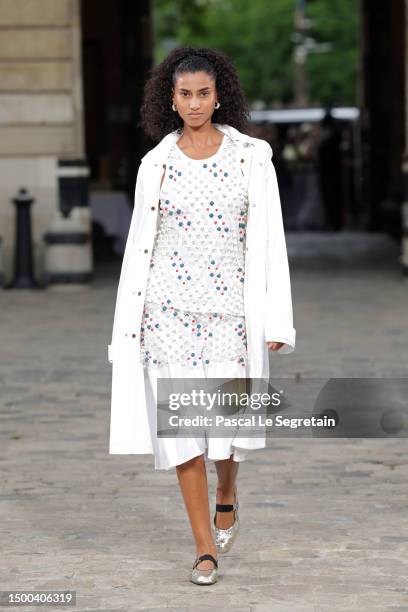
x=41 y=110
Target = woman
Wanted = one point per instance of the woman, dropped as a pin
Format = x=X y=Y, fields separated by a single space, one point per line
x=204 y=289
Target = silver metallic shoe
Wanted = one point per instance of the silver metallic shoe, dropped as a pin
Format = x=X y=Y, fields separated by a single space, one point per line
x=224 y=538
x=204 y=576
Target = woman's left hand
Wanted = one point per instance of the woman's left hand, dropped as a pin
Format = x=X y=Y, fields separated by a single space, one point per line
x=275 y=346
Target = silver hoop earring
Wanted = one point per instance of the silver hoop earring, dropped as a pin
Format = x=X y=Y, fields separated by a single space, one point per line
x=173 y=107
x=217 y=105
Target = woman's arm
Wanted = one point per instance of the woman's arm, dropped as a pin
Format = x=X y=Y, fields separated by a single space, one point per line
x=278 y=304
x=130 y=245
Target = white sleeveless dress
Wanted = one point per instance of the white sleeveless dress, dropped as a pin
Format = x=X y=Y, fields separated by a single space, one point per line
x=193 y=322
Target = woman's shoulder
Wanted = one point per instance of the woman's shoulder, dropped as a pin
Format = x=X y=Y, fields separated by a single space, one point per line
x=262 y=146
x=164 y=144
x=258 y=145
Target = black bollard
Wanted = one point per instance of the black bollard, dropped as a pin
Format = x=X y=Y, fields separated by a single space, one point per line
x=23 y=259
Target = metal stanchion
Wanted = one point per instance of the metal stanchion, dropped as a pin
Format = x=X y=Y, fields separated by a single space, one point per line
x=23 y=259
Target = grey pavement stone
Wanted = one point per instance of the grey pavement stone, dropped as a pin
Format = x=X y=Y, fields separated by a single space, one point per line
x=324 y=521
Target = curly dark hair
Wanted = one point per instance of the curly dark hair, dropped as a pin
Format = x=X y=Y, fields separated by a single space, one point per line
x=157 y=116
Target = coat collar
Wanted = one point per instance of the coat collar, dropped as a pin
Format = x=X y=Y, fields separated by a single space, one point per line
x=249 y=144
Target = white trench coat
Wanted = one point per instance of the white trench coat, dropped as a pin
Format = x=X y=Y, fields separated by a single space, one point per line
x=267 y=288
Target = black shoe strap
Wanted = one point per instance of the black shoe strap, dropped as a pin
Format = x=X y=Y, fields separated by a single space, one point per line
x=224 y=507
x=206 y=557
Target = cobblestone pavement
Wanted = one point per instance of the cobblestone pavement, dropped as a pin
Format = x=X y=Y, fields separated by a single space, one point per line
x=324 y=522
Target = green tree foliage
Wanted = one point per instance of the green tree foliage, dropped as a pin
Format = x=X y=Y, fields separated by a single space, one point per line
x=333 y=76
x=257 y=35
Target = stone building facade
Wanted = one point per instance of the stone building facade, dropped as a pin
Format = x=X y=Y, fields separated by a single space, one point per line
x=41 y=112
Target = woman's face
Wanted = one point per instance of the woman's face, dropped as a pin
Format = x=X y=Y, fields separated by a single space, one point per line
x=194 y=97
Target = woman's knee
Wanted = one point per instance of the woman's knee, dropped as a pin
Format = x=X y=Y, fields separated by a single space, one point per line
x=194 y=461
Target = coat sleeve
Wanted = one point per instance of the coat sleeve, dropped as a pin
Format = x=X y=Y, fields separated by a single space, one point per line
x=134 y=226
x=278 y=304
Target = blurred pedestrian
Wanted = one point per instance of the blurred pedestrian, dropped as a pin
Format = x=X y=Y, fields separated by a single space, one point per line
x=329 y=169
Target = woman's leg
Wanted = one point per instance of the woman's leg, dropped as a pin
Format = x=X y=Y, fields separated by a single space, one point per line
x=227 y=470
x=192 y=476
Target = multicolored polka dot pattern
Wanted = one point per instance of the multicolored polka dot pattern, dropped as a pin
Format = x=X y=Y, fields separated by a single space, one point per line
x=194 y=303
x=170 y=335
x=198 y=260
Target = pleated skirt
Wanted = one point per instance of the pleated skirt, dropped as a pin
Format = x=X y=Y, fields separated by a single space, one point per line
x=172 y=451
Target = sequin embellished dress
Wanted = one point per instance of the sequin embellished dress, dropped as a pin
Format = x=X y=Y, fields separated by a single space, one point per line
x=193 y=321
